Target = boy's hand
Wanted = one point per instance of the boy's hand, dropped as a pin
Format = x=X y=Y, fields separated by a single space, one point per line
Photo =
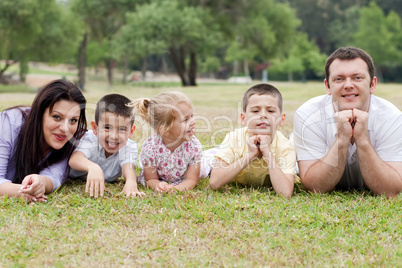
x=265 y=144
x=130 y=189
x=253 y=144
x=163 y=187
x=95 y=181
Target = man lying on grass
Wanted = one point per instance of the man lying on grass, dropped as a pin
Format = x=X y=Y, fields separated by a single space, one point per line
x=257 y=154
x=349 y=138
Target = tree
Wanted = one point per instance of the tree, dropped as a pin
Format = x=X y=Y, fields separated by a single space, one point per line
x=35 y=30
x=131 y=42
x=379 y=35
x=185 y=32
x=265 y=30
x=103 y=19
x=342 y=29
x=19 y=23
x=304 y=55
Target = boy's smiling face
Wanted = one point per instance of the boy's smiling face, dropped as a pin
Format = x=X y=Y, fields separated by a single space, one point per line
x=262 y=115
x=113 y=132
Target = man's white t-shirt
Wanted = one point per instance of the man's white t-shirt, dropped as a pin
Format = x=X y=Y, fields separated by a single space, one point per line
x=315 y=132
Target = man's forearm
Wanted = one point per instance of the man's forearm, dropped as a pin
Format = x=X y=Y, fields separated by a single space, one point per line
x=379 y=176
x=324 y=174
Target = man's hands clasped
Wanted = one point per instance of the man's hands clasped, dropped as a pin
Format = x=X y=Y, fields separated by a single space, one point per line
x=352 y=126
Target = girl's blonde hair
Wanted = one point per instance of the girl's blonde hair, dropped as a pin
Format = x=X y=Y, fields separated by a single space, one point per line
x=159 y=111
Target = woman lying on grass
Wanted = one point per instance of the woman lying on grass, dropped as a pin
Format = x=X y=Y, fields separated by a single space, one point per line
x=36 y=141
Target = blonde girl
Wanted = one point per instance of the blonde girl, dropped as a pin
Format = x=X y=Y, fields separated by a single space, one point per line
x=171 y=158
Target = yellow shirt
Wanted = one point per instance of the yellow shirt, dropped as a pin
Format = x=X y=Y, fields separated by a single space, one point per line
x=234 y=147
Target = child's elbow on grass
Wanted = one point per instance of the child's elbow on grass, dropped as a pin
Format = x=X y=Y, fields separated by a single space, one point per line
x=287 y=194
x=213 y=183
x=70 y=161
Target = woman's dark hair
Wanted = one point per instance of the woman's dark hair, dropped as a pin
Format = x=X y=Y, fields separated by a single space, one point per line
x=29 y=156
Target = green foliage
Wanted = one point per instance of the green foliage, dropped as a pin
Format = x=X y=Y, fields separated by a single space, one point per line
x=36 y=30
x=264 y=30
x=60 y=35
x=303 y=56
x=103 y=17
x=97 y=52
x=343 y=28
x=379 y=35
x=165 y=24
x=20 y=22
x=210 y=64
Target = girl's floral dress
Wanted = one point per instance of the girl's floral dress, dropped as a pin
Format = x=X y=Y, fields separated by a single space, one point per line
x=171 y=166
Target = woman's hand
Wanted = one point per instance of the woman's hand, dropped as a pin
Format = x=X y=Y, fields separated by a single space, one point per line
x=33 y=188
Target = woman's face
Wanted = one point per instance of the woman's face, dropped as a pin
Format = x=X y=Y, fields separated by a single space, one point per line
x=60 y=124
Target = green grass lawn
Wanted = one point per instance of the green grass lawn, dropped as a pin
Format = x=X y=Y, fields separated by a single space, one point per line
x=236 y=226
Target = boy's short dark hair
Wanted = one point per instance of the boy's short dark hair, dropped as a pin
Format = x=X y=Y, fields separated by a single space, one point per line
x=262 y=89
x=350 y=53
x=116 y=104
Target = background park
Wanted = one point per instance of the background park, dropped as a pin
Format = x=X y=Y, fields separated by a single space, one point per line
x=141 y=48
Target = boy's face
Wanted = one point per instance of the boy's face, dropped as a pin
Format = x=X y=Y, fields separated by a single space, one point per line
x=113 y=132
x=262 y=115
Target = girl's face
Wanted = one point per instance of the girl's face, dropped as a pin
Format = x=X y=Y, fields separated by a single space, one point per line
x=60 y=124
x=183 y=125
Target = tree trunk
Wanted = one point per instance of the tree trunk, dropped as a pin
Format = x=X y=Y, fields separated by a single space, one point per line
x=144 y=67
x=303 y=77
x=3 y=80
x=178 y=62
x=24 y=68
x=192 y=72
x=109 y=67
x=290 y=76
x=235 y=68
x=164 y=65
x=82 y=61
x=125 y=70
x=245 y=68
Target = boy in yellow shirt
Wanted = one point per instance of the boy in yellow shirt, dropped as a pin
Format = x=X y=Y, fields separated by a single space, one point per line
x=257 y=154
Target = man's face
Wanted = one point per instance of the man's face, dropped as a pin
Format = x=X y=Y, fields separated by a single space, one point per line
x=113 y=132
x=349 y=85
x=262 y=115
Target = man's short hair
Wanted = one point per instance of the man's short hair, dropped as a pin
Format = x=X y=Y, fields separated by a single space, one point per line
x=262 y=89
x=350 y=53
x=116 y=104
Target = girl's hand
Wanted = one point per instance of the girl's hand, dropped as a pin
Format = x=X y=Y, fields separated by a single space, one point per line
x=131 y=190
x=163 y=187
x=33 y=188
